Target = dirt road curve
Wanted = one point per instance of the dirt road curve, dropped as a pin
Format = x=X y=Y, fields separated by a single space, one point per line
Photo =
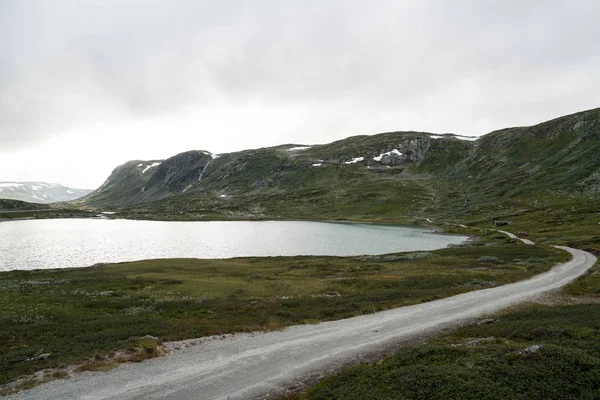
x=513 y=236
x=252 y=366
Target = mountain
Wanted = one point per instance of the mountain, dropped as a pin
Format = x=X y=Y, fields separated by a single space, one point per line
x=138 y=181
x=39 y=192
x=395 y=176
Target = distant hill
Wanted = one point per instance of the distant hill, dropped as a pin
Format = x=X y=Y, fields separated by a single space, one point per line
x=39 y=192
x=16 y=205
x=395 y=175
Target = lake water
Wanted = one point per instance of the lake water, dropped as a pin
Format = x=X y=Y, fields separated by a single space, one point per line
x=64 y=243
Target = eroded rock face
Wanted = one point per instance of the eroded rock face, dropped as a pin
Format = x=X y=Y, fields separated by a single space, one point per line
x=413 y=150
x=391 y=160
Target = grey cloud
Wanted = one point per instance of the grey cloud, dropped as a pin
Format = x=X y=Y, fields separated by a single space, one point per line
x=64 y=63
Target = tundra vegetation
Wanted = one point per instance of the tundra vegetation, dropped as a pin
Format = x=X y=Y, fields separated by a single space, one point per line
x=547 y=349
x=98 y=316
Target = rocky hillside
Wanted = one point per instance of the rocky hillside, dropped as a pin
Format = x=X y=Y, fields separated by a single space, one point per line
x=39 y=192
x=289 y=170
x=139 y=181
x=389 y=175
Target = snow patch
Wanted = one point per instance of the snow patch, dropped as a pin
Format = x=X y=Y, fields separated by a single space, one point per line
x=467 y=138
x=140 y=165
x=156 y=164
x=223 y=196
x=389 y=153
x=459 y=137
x=11 y=184
x=317 y=165
x=213 y=156
x=68 y=191
x=355 y=160
x=299 y=148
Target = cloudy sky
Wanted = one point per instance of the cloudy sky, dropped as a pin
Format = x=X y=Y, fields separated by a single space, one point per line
x=86 y=85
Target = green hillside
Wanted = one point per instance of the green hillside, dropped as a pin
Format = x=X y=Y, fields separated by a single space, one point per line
x=530 y=165
x=395 y=176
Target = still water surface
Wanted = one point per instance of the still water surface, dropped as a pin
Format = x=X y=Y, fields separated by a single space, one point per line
x=64 y=243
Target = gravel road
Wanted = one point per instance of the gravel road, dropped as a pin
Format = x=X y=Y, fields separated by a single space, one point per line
x=513 y=236
x=260 y=365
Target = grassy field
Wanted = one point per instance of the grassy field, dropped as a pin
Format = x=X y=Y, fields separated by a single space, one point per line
x=544 y=350
x=70 y=315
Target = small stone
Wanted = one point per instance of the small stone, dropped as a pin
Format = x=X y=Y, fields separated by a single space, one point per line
x=39 y=357
x=530 y=350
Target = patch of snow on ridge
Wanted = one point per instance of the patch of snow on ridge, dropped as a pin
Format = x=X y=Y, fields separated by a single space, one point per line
x=213 y=156
x=467 y=138
x=11 y=184
x=299 y=148
x=355 y=160
x=156 y=164
x=140 y=165
x=317 y=165
x=451 y=136
x=389 y=153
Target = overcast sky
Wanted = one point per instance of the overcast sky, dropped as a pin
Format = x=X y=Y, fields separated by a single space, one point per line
x=87 y=85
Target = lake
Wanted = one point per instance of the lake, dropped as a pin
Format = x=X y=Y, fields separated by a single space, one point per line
x=65 y=243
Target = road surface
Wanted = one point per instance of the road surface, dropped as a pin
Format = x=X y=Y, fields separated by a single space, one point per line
x=513 y=236
x=259 y=365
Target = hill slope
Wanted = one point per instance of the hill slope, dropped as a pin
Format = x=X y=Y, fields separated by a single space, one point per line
x=558 y=157
x=138 y=181
x=16 y=205
x=395 y=175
